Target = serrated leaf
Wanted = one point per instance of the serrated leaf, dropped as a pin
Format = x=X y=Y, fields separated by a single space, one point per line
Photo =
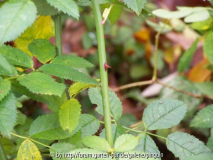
x=75 y=140
x=200 y=156
x=183 y=145
x=197 y=16
x=28 y=150
x=89 y=125
x=210 y=141
x=69 y=114
x=125 y=142
x=42 y=29
x=162 y=114
x=66 y=6
x=208 y=48
x=14 y=23
x=186 y=59
x=66 y=72
x=44 y=8
x=41 y=83
x=7 y=114
x=6 y=68
x=5 y=87
x=41 y=128
x=16 y=57
x=203 y=118
x=115 y=103
x=135 y=5
x=77 y=87
x=84 y=3
x=71 y=61
x=43 y=50
x=96 y=142
x=114 y=14
x=162 y=13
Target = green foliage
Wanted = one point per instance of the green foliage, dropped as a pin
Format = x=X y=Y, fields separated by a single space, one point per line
x=186 y=59
x=44 y=8
x=87 y=41
x=163 y=114
x=210 y=141
x=8 y=114
x=5 y=87
x=204 y=118
x=205 y=88
x=21 y=118
x=14 y=23
x=9 y=146
x=114 y=14
x=135 y=5
x=6 y=68
x=42 y=49
x=183 y=145
x=115 y=103
x=200 y=156
x=125 y=142
x=208 y=48
x=41 y=83
x=68 y=6
x=69 y=114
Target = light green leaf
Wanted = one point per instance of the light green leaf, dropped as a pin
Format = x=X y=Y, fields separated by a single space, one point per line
x=66 y=6
x=43 y=50
x=183 y=145
x=208 y=47
x=8 y=145
x=205 y=88
x=203 y=25
x=96 y=142
x=6 y=68
x=210 y=141
x=203 y=118
x=69 y=114
x=5 y=87
x=28 y=150
x=21 y=118
x=115 y=103
x=84 y=3
x=187 y=56
x=161 y=27
x=162 y=13
x=44 y=8
x=15 y=22
x=77 y=87
x=41 y=128
x=200 y=157
x=135 y=5
x=8 y=114
x=66 y=72
x=163 y=114
x=125 y=142
x=41 y=83
x=71 y=61
x=114 y=14
x=16 y=57
x=197 y=16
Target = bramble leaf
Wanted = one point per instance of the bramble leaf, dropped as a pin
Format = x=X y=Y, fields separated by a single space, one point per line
x=6 y=68
x=5 y=87
x=44 y=8
x=14 y=23
x=135 y=5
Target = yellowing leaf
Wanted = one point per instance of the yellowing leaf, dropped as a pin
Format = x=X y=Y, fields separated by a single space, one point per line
x=41 y=29
x=28 y=151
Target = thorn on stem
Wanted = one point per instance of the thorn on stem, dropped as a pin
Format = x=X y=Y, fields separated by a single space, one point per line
x=106 y=66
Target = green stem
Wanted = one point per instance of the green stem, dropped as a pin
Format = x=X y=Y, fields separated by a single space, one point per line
x=104 y=75
x=2 y=153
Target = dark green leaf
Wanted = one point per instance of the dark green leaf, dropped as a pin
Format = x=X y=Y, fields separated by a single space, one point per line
x=44 y=8
x=6 y=68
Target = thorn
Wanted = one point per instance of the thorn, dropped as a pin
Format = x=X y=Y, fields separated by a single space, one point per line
x=106 y=36
x=106 y=66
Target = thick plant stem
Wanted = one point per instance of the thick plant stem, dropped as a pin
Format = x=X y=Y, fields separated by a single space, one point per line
x=2 y=153
x=103 y=72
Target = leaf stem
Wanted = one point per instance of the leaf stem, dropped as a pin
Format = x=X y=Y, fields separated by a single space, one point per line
x=2 y=152
x=103 y=72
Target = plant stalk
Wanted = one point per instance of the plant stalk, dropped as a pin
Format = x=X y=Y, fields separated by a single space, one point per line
x=2 y=153
x=103 y=72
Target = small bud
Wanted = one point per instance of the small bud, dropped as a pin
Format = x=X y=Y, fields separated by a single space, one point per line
x=106 y=66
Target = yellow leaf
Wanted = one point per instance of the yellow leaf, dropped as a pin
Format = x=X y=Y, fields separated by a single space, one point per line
x=28 y=151
x=42 y=28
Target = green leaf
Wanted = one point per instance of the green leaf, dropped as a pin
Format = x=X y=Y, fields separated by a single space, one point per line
x=69 y=114
x=89 y=125
x=66 y=72
x=200 y=156
x=203 y=118
x=21 y=118
x=41 y=83
x=208 y=48
x=210 y=141
x=15 y=22
x=205 y=88
x=125 y=142
x=163 y=114
x=5 y=87
x=44 y=8
x=41 y=128
x=16 y=57
x=96 y=142
x=186 y=59
x=28 y=150
x=75 y=140
x=87 y=41
x=146 y=144
x=203 y=25
x=71 y=61
x=183 y=145
x=197 y=16
x=84 y=3
x=115 y=103
x=8 y=145
x=77 y=87
x=6 y=68
x=135 y=5
x=161 y=27
x=114 y=14
x=68 y=6
x=162 y=13
x=8 y=114
x=43 y=50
